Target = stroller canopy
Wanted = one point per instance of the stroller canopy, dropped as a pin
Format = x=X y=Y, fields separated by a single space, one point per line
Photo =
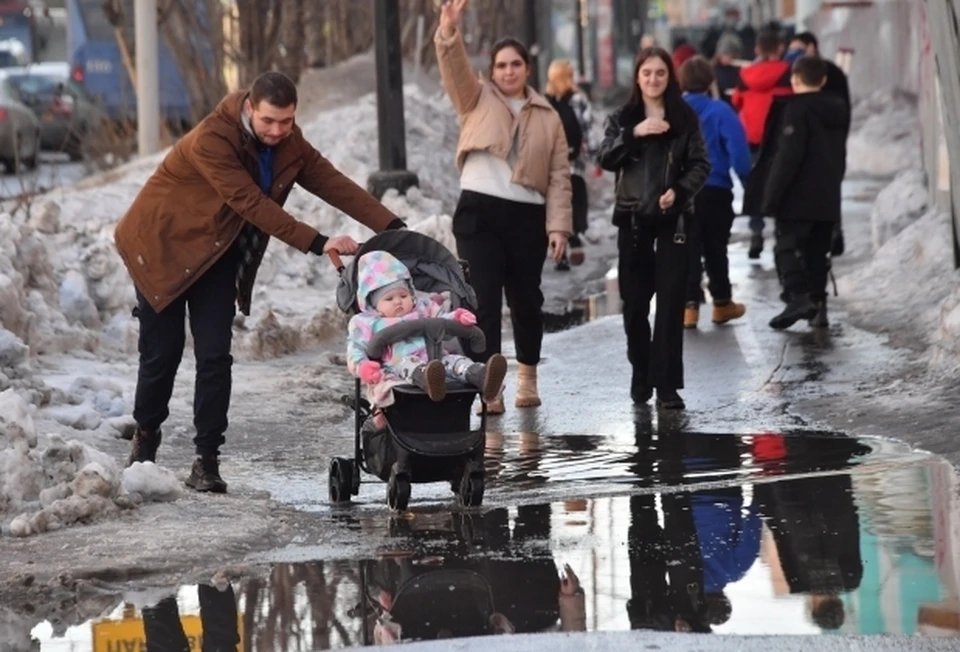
x=432 y=266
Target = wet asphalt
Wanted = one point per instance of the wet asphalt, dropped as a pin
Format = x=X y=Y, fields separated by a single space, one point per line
x=742 y=515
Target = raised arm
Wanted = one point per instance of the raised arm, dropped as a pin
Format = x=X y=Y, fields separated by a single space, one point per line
x=458 y=76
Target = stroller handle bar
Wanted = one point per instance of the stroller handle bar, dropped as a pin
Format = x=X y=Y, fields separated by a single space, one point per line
x=334 y=257
x=436 y=330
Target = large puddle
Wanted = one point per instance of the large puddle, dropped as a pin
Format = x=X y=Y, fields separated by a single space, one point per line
x=811 y=533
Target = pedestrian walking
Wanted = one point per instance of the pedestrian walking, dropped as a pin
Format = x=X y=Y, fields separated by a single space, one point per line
x=654 y=146
x=192 y=242
x=709 y=232
x=575 y=112
x=798 y=179
x=515 y=201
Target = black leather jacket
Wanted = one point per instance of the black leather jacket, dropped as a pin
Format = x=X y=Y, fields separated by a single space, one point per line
x=646 y=167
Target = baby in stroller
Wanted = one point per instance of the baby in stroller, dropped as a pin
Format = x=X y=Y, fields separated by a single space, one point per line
x=386 y=296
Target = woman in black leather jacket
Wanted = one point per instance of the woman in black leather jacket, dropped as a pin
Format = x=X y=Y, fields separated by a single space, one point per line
x=654 y=145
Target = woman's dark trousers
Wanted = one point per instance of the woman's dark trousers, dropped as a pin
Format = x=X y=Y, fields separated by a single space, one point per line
x=651 y=263
x=505 y=243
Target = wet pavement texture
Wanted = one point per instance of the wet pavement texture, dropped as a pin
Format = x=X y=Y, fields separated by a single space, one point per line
x=818 y=533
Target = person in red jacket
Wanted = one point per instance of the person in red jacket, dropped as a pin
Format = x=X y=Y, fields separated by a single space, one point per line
x=760 y=82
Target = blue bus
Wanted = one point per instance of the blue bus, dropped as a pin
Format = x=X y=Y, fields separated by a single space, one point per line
x=17 y=22
x=97 y=64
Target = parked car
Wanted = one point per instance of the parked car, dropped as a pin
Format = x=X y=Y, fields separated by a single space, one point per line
x=68 y=113
x=19 y=131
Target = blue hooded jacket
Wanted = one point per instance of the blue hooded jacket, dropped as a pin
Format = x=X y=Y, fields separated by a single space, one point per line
x=725 y=137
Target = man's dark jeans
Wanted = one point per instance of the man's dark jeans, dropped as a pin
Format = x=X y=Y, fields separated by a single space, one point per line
x=212 y=305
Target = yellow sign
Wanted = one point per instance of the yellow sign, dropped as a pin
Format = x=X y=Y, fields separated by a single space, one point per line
x=127 y=635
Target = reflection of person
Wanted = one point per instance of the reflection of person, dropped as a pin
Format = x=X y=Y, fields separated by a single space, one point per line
x=194 y=238
x=385 y=295
x=815 y=525
x=728 y=534
x=666 y=576
x=515 y=201
x=218 y=617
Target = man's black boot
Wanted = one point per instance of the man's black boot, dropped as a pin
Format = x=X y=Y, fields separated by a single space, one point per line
x=756 y=246
x=800 y=307
x=820 y=320
x=145 y=445
x=205 y=475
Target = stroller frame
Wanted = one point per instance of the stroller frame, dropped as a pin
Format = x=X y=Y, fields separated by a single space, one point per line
x=413 y=450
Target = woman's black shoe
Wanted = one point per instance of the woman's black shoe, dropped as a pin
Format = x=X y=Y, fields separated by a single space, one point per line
x=668 y=399
x=640 y=392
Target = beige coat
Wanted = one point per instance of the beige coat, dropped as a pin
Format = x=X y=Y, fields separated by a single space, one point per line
x=487 y=124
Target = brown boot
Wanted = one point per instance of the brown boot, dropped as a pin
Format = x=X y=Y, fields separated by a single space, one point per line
x=494 y=407
x=432 y=379
x=727 y=310
x=145 y=445
x=527 y=395
x=691 y=315
x=488 y=378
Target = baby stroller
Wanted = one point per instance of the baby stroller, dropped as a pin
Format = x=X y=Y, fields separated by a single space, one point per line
x=421 y=440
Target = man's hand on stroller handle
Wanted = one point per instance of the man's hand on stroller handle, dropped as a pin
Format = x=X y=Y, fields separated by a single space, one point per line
x=370 y=372
x=464 y=316
x=341 y=244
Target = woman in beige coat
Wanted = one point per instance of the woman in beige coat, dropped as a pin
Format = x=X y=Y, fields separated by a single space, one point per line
x=515 y=200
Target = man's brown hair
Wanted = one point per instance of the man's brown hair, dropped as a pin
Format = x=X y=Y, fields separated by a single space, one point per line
x=696 y=75
x=275 y=88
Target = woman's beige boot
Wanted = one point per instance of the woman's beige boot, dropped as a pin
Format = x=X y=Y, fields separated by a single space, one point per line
x=527 y=395
x=494 y=407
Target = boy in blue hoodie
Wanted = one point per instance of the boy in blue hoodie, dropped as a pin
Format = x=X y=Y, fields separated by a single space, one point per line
x=713 y=206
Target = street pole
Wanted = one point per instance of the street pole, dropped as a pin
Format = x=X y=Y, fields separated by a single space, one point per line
x=533 y=42
x=391 y=133
x=148 y=76
x=581 y=57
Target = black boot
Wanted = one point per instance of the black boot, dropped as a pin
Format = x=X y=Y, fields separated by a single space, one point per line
x=563 y=265
x=145 y=445
x=640 y=391
x=205 y=475
x=756 y=246
x=800 y=307
x=432 y=379
x=669 y=399
x=488 y=378
x=820 y=320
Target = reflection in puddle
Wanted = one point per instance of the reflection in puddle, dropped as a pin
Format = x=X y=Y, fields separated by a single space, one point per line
x=831 y=541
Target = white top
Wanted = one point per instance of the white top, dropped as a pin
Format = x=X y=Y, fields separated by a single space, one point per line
x=489 y=174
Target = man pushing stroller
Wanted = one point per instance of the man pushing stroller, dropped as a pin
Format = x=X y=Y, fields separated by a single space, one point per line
x=386 y=296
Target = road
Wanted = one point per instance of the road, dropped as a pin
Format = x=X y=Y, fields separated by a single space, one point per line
x=767 y=477
x=54 y=170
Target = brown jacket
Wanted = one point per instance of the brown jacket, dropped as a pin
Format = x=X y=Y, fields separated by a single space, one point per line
x=487 y=124
x=193 y=207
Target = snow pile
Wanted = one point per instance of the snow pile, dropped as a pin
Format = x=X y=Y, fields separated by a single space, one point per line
x=885 y=137
x=67 y=482
x=898 y=205
x=901 y=288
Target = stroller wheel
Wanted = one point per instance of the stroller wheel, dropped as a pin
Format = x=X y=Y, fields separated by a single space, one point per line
x=398 y=492
x=471 y=489
x=341 y=480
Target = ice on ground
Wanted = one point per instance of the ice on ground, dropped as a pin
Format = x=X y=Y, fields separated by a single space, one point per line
x=151 y=482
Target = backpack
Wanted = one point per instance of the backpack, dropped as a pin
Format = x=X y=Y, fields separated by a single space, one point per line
x=571 y=124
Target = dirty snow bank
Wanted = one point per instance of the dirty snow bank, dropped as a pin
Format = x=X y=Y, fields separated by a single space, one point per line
x=885 y=135
x=68 y=481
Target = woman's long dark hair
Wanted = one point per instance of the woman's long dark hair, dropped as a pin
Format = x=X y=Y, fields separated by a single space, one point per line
x=678 y=113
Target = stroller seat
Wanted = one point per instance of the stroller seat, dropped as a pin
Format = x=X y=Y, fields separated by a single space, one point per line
x=421 y=440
